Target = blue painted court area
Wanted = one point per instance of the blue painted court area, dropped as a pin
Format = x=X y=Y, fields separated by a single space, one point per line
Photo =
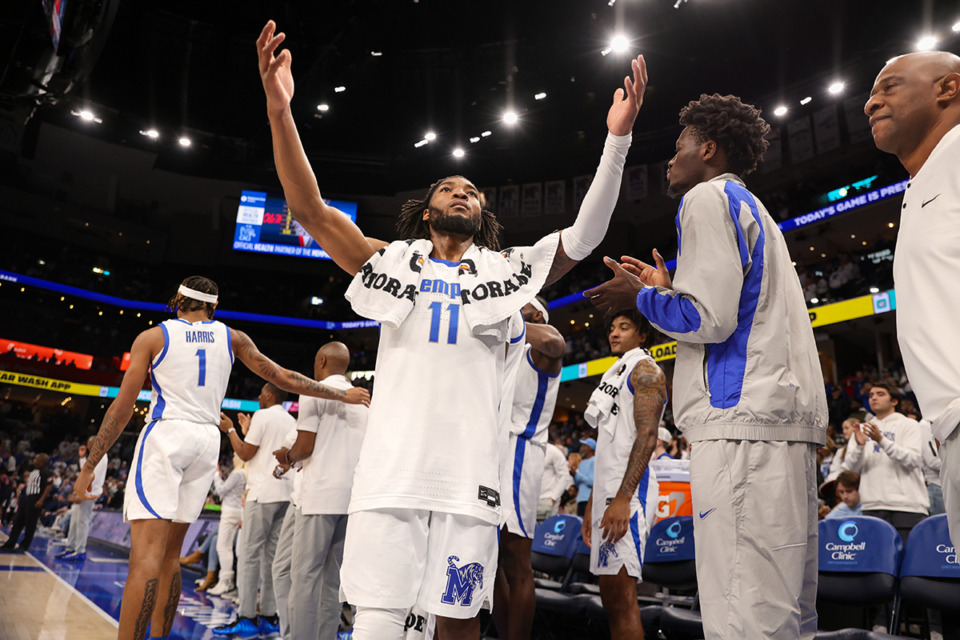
x=101 y=578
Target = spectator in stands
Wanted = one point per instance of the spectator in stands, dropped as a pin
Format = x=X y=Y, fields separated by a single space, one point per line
x=848 y=490
x=890 y=467
x=30 y=505
x=838 y=405
x=583 y=473
x=664 y=440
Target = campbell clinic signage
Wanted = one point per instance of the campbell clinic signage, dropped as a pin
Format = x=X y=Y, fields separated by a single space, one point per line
x=36 y=352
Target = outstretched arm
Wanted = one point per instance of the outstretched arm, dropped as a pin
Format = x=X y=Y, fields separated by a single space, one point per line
x=590 y=227
x=289 y=380
x=649 y=396
x=145 y=347
x=330 y=227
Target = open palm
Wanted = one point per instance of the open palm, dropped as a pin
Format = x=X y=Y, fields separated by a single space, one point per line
x=627 y=101
x=275 y=70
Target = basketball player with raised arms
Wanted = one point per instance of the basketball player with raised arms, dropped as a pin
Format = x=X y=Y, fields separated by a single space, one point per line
x=425 y=507
x=535 y=385
x=189 y=360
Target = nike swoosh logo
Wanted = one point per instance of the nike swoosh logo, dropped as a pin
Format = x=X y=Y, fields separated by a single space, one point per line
x=923 y=204
x=704 y=515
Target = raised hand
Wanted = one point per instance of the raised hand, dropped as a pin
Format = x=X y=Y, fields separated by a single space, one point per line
x=627 y=101
x=651 y=276
x=275 y=70
x=618 y=293
x=225 y=424
x=243 y=419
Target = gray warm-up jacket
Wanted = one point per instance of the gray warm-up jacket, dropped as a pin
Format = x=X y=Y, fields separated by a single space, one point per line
x=747 y=365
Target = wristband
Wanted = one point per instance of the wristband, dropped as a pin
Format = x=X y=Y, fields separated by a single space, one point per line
x=231 y=430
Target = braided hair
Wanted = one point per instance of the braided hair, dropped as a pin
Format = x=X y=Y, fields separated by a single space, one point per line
x=737 y=128
x=180 y=302
x=411 y=224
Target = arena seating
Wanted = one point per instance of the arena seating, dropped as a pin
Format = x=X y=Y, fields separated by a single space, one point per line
x=930 y=574
x=859 y=566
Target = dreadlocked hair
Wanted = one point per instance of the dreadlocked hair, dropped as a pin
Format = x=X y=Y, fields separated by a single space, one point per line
x=411 y=224
x=737 y=128
x=180 y=302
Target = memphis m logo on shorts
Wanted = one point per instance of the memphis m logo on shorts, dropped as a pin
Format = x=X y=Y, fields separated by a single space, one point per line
x=604 y=552
x=461 y=581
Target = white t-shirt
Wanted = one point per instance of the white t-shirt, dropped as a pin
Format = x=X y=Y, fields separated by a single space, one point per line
x=268 y=429
x=926 y=270
x=99 y=474
x=433 y=432
x=556 y=474
x=328 y=472
x=189 y=377
x=534 y=400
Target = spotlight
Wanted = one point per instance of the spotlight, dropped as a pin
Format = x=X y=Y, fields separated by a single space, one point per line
x=510 y=117
x=780 y=111
x=87 y=116
x=874 y=290
x=485 y=134
x=316 y=301
x=430 y=136
x=806 y=101
x=323 y=107
x=339 y=89
x=475 y=139
x=419 y=144
x=814 y=300
x=458 y=153
x=153 y=134
x=836 y=88
x=540 y=96
x=619 y=44
x=184 y=142
x=956 y=27
x=926 y=43
x=376 y=54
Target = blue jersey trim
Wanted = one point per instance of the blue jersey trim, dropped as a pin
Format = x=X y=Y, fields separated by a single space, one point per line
x=229 y=343
x=520 y=337
x=675 y=314
x=139 y=474
x=449 y=263
x=161 y=403
x=166 y=345
x=517 y=475
x=537 y=409
x=635 y=532
x=539 y=370
x=630 y=382
x=727 y=361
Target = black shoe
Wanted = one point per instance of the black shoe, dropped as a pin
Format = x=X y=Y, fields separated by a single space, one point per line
x=7 y=547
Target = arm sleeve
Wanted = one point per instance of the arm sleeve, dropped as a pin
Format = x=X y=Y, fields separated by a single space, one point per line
x=704 y=302
x=593 y=219
x=906 y=452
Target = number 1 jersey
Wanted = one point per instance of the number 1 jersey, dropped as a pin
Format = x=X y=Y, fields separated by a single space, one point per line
x=190 y=375
x=432 y=438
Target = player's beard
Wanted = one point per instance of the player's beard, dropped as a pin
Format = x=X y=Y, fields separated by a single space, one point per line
x=447 y=223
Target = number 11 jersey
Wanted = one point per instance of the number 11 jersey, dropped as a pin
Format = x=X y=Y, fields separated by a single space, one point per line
x=432 y=438
x=190 y=375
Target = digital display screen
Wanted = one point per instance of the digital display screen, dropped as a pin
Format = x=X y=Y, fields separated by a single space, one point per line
x=265 y=225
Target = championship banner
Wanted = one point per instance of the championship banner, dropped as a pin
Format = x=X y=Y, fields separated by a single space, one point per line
x=554 y=203
x=532 y=200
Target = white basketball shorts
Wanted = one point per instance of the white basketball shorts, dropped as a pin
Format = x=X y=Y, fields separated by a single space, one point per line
x=172 y=471
x=520 y=488
x=444 y=563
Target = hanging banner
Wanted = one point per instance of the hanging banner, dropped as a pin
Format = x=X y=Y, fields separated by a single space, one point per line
x=531 y=204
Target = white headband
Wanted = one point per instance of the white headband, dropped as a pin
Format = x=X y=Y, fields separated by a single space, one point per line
x=197 y=295
x=539 y=307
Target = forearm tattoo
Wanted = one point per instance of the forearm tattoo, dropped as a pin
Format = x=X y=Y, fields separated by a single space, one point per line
x=562 y=263
x=173 y=599
x=295 y=382
x=649 y=396
x=146 y=609
x=109 y=432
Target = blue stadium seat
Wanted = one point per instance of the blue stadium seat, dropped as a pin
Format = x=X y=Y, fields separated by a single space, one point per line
x=669 y=561
x=554 y=543
x=930 y=575
x=859 y=565
x=581 y=567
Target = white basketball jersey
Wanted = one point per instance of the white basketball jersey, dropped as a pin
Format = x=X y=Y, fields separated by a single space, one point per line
x=190 y=375
x=616 y=433
x=432 y=438
x=535 y=398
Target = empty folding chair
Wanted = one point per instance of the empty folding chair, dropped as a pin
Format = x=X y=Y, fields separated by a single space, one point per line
x=930 y=575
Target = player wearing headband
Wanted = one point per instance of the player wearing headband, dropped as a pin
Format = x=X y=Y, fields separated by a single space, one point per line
x=535 y=387
x=189 y=360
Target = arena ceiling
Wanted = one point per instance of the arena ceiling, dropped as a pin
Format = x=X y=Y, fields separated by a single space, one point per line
x=188 y=68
